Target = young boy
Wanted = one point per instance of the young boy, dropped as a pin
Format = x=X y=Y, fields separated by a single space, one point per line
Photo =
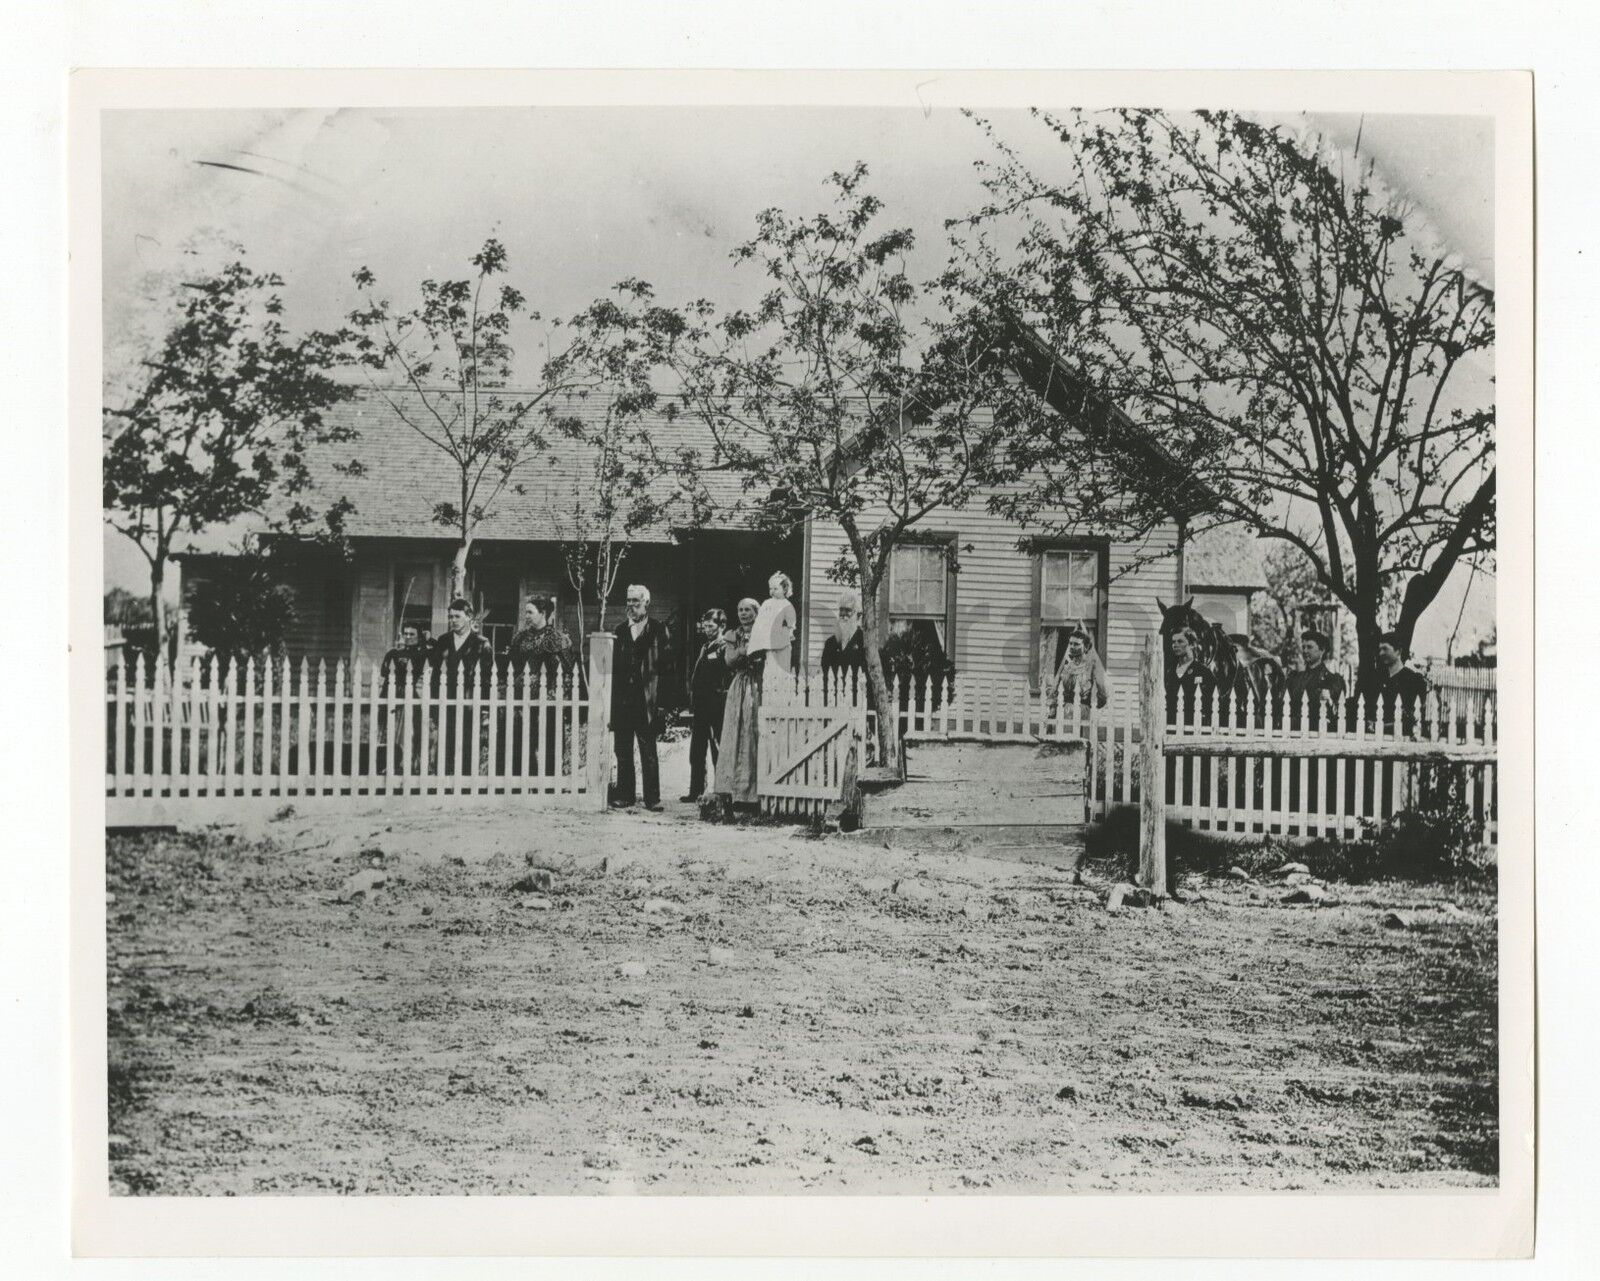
x=708 y=687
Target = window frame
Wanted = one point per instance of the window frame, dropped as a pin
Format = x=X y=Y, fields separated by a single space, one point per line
x=946 y=541
x=1038 y=549
x=426 y=574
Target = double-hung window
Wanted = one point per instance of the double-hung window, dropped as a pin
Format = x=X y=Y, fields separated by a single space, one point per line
x=1071 y=594
x=922 y=596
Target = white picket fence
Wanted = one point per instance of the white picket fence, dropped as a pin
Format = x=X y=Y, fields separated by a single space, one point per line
x=1329 y=771
x=179 y=741
x=812 y=737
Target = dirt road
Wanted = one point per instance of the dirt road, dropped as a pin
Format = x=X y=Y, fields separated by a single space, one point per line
x=694 y=1009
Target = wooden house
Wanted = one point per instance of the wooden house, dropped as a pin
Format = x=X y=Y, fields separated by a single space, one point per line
x=997 y=596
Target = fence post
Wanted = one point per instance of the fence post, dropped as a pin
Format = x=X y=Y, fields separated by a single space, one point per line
x=1152 y=764
x=599 y=763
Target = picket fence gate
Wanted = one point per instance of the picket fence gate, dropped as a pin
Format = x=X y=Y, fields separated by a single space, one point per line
x=179 y=740
x=811 y=740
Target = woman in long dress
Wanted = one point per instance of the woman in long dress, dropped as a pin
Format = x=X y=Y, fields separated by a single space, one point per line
x=734 y=780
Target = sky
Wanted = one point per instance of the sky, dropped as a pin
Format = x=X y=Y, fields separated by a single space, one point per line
x=584 y=197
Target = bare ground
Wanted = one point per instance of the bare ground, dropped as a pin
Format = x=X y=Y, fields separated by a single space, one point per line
x=696 y=1009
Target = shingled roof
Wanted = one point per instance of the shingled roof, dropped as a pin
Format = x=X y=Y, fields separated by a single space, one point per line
x=403 y=476
x=1226 y=558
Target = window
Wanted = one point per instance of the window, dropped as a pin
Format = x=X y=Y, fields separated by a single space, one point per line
x=497 y=596
x=1071 y=594
x=922 y=602
x=413 y=596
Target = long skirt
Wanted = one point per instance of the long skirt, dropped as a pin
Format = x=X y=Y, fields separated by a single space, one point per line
x=735 y=776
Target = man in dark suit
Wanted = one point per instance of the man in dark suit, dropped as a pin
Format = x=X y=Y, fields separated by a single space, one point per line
x=1395 y=685
x=1315 y=690
x=461 y=654
x=642 y=655
x=1190 y=683
x=845 y=650
x=708 y=693
x=460 y=659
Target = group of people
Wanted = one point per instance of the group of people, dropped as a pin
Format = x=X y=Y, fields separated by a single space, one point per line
x=540 y=648
x=1313 y=686
x=724 y=691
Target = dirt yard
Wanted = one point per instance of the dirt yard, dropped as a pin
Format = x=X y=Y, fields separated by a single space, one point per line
x=681 y=1008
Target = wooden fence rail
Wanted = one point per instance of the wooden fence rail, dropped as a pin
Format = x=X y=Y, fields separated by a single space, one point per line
x=179 y=740
x=1241 y=767
x=1295 y=767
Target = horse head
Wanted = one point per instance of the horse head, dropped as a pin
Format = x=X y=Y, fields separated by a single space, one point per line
x=1175 y=618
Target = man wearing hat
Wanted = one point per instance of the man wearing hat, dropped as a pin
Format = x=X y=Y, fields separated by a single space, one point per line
x=1314 y=684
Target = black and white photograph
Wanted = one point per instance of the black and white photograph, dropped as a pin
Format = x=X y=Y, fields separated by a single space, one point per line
x=940 y=649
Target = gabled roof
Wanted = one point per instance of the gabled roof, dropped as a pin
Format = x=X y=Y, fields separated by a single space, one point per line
x=1066 y=391
x=403 y=476
x=1226 y=558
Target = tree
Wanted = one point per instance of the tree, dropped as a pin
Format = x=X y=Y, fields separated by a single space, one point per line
x=1276 y=322
x=247 y=610
x=218 y=421
x=453 y=355
x=598 y=519
x=1292 y=584
x=820 y=399
x=628 y=486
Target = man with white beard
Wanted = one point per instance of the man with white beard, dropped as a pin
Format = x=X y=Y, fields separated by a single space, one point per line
x=845 y=650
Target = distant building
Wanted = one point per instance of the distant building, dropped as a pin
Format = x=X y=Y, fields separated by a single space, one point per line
x=1221 y=569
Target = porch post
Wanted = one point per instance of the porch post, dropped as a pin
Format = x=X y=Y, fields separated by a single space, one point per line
x=600 y=643
x=1152 y=770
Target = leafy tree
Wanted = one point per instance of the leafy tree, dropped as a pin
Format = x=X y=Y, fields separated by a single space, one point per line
x=629 y=483
x=217 y=422
x=820 y=399
x=247 y=610
x=1267 y=310
x=1292 y=583
x=453 y=357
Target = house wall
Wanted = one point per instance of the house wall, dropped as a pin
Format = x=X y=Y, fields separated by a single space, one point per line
x=510 y=573
x=323 y=594
x=995 y=592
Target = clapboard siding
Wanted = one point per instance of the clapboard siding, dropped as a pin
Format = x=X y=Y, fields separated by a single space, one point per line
x=994 y=591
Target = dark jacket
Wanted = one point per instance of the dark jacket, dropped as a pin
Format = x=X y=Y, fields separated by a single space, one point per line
x=1194 y=689
x=849 y=657
x=475 y=658
x=403 y=666
x=637 y=667
x=1400 y=691
x=1315 y=683
x=708 y=679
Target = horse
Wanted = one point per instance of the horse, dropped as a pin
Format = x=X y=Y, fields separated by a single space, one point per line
x=1238 y=667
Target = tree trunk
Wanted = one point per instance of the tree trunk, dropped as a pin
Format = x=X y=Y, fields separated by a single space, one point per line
x=1368 y=630
x=158 y=609
x=458 y=568
x=883 y=706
